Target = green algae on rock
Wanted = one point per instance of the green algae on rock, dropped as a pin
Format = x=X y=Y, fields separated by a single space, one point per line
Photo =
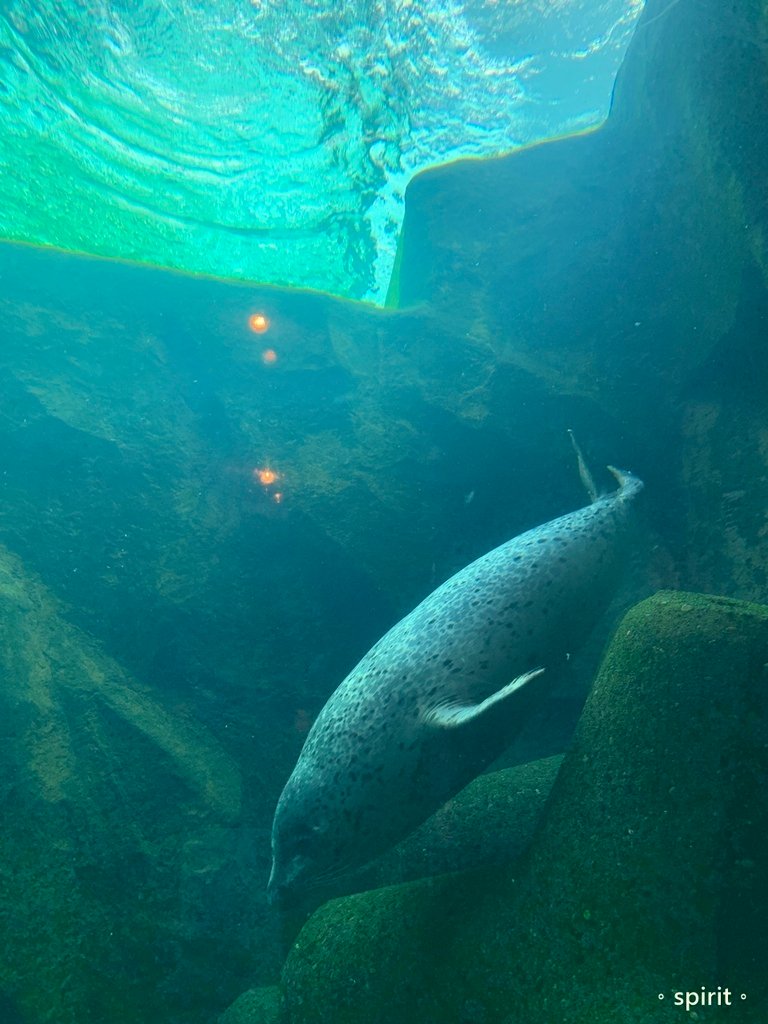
x=647 y=876
x=256 y=1006
x=490 y=822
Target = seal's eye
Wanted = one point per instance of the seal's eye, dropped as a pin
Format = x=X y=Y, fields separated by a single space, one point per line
x=305 y=835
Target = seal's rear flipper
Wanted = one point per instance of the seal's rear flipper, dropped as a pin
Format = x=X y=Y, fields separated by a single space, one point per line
x=629 y=484
x=584 y=474
x=450 y=715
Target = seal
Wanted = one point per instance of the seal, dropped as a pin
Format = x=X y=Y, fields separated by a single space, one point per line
x=437 y=698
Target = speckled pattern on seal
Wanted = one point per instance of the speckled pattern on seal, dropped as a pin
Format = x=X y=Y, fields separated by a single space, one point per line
x=433 y=702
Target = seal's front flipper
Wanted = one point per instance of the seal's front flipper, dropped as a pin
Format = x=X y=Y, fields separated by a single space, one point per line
x=452 y=714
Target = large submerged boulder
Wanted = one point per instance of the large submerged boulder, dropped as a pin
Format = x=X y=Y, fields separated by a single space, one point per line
x=647 y=878
x=264 y=1005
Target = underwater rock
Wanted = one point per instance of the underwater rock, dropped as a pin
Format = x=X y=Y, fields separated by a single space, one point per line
x=647 y=877
x=588 y=258
x=629 y=266
x=256 y=1006
x=103 y=787
x=491 y=821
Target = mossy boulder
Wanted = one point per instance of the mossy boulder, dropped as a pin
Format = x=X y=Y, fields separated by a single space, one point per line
x=491 y=821
x=647 y=877
x=264 y=1005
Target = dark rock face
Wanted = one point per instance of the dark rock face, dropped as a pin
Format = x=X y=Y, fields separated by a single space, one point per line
x=114 y=805
x=647 y=877
x=626 y=269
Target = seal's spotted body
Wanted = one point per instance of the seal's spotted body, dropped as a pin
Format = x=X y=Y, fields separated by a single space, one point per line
x=431 y=704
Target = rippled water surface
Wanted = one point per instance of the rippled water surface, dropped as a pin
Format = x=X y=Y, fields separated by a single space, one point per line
x=273 y=139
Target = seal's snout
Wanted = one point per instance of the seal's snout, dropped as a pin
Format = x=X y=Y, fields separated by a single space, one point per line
x=275 y=887
x=281 y=885
x=281 y=894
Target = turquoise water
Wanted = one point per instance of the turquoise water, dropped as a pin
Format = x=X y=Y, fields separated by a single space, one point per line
x=273 y=141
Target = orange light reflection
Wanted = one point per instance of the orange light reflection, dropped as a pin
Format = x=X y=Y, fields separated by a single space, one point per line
x=266 y=476
x=259 y=323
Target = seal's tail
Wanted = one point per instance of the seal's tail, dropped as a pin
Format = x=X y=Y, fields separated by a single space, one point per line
x=629 y=484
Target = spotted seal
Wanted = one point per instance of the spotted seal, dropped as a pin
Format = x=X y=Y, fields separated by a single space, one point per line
x=435 y=700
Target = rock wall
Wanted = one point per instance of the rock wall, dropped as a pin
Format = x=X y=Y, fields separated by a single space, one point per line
x=628 y=268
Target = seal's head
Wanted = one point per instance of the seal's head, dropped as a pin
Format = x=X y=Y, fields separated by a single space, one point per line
x=333 y=816
x=305 y=852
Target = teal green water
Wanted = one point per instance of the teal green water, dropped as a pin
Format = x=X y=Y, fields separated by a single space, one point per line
x=273 y=140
